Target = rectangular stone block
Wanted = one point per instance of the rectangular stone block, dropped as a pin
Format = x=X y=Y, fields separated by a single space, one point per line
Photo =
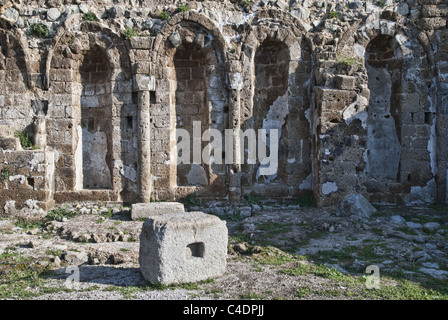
x=183 y=247
x=147 y=210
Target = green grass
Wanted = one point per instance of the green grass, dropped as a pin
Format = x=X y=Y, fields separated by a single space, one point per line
x=407 y=231
x=251 y=296
x=273 y=229
x=28 y=225
x=273 y=256
x=333 y=14
x=306 y=200
x=89 y=16
x=191 y=200
x=250 y=199
x=5 y=174
x=183 y=8
x=26 y=141
x=128 y=33
x=40 y=30
x=164 y=16
x=19 y=277
x=60 y=213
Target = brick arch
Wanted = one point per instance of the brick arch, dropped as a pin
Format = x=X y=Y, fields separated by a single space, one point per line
x=90 y=82
x=409 y=118
x=112 y=40
x=190 y=78
x=15 y=83
x=286 y=96
x=172 y=24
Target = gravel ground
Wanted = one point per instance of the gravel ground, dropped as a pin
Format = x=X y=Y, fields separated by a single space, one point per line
x=105 y=250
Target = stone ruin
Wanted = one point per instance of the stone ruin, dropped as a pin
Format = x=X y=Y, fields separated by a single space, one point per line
x=357 y=89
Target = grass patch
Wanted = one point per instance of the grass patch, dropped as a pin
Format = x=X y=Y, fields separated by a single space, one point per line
x=26 y=141
x=128 y=33
x=89 y=16
x=250 y=199
x=303 y=292
x=183 y=8
x=191 y=200
x=407 y=231
x=273 y=229
x=20 y=278
x=251 y=296
x=27 y=225
x=306 y=200
x=40 y=30
x=164 y=15
x=5 y=174
x=59 y=214
x=273 y=256
x=333 y=14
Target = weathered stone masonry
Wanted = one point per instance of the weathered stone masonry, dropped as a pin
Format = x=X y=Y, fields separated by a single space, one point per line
x=357 y=89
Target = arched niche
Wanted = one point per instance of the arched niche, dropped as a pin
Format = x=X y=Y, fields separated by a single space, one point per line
x=278 y=66
x=92 y=113
x=191 y=96
x=15 y=100
x=383 y=132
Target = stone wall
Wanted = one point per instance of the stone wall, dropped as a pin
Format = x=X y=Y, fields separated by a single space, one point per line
x=357 y=89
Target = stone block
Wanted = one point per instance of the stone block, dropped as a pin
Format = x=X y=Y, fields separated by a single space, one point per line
x=9 y=143
x=147 y=210
x=356 y=205
x=143 y=82
x=345 y=82
x=183 y=247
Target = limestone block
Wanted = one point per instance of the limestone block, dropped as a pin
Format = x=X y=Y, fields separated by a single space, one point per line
x=53 y=14
x=143 y=82
x=235 y=81
x=356 y=205
x=345 y=82
x=183 y=247
x=147 y=210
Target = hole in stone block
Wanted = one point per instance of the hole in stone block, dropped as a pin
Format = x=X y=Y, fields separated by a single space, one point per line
x=152 y=97
x=427 y=117
x=195 y=250
x=135 y=97
x=30 y=182
x=129 y=121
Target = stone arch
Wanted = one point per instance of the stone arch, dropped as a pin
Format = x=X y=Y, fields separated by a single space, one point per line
x=90 y=82
x=188 y=62
x=284 y=103
x=396 y=53
x=383 y=139
x=15 y=94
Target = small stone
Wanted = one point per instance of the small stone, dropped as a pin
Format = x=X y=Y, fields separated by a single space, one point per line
x=413 y=225
x=76 y=258
x=431 y=265
x=175 y=39
x=403 y=9
x=11 y=14
x=431 y=226
x=240 y=247
x=53 y=14
x=396 y=219
x=438 y=274
x=355 y=4
x=31 y=244
x=356 y=205
x=83 y=8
